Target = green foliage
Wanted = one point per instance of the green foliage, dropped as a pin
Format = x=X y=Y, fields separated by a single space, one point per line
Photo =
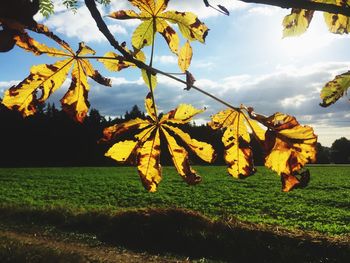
x=71 y=4
x=46 y=7
x=322 y=207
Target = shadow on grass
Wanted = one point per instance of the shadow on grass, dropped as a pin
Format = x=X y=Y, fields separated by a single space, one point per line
x=188 y=234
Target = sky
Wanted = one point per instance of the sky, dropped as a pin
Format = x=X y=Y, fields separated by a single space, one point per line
x=244 y=60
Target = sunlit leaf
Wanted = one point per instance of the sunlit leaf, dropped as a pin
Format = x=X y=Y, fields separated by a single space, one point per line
x=338 y=24
x=43 y=78
x=297 y=22
x=169 y=35
x=204 y=150
x=185 y=57
x=143 y=34
x=115 y=62
x=46 y=79
x=289 y=145
x=150 y=107
x=257 y=130
x=181 y=115
x=148 y=162
x=149 y=79
x=146 y=144
x=75 y=101
x=180 y=159
x=121 y=151
x=335 y=89
x=238 y=153
x=189 y=24
x=112 y=132
x=154 y=19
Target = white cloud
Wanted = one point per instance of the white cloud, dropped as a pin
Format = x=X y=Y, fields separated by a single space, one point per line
x=263 y=10
x=295 y=101
x=4 y=85
x=117 y=29
x=166 y=59
x=78 y=25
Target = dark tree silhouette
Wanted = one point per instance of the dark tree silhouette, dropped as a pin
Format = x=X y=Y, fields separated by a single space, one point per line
x=340 y=150
x=323 y=154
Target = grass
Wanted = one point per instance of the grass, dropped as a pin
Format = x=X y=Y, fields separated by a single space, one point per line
x=322 y=207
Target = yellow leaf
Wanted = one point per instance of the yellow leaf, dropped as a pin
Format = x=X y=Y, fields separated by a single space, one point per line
x=150 y=107
x=257 y=130
x=147 y=144
x=143 y=34
x=238 y=154
x=94 y=74
x=121 y=151
x=24 y=41
x=181 y=115
x=114 y=62
x=202 y=149
x=289 y=145
x=161 y=5
x=236 y=139
x=155 y=20
x=75 y=101
x=118 y=129
x=148 y=162
x=149 y=79
x=188 y=23
x=338 y=24
x=335 y=89
x=297 y=22
x=85 y=50
x=185 y=57
x=146 y=6
x=223 y=119
x=124 y=14
x=47 y=78
x=169 y=35
x=180 y=159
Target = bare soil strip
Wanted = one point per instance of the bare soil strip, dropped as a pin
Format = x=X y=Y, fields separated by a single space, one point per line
x=89 y=253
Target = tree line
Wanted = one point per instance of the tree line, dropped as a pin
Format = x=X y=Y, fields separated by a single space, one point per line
x=51 y=138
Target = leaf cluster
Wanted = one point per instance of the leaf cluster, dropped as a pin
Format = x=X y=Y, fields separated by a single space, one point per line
x=288 y=146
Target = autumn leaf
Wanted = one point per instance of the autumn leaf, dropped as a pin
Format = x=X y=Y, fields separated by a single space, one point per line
x=338 y=24
x=185 y=57
x=45 y=79
x=335 y=89
x=289 y=147
x=236 y=139
x=297 y=22
x=144 y=149
x=115 y=62
x=155 y=19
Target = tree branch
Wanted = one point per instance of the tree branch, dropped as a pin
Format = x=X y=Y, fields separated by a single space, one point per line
x=304 y=4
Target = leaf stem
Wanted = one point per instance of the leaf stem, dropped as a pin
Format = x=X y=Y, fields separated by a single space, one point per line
x=149 y=73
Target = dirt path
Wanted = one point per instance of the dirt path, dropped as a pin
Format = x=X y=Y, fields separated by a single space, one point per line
x=90 y=253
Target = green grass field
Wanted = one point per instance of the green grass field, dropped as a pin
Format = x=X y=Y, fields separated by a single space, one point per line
x=324 y=206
